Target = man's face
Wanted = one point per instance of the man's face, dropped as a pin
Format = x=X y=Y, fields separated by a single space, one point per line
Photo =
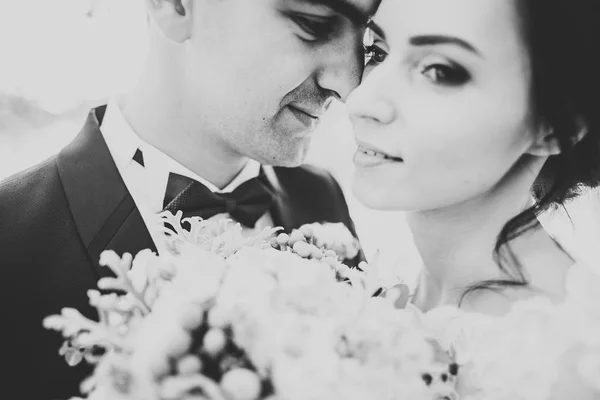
x=258 y=74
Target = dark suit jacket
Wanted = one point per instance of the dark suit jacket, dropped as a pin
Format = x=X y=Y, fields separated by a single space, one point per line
x=55 y=220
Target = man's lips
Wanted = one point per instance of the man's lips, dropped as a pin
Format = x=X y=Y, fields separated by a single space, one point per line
x=312 y=114
x=307 y=118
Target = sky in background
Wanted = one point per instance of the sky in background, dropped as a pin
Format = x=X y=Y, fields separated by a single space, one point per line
x=56 y=62
x=50 y=49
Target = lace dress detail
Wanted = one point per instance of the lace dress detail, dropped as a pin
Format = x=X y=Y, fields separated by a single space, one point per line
x=537 y=351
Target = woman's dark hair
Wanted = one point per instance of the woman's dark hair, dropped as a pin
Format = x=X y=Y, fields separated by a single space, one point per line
x=562 y=37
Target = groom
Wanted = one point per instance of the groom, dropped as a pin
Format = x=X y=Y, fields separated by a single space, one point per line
x=229 y=88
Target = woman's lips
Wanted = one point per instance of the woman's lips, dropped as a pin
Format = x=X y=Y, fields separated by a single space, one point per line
x=376 y=153
x=366 y=157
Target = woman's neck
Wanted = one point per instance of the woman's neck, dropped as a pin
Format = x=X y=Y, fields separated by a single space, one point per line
x=457 y=243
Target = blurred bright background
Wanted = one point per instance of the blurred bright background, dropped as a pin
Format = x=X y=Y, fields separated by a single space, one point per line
x=59 y=58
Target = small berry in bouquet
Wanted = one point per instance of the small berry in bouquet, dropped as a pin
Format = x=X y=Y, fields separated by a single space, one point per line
x=225 y=317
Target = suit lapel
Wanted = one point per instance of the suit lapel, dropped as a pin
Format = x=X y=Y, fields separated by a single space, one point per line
x=104 y=212
x=282 y=211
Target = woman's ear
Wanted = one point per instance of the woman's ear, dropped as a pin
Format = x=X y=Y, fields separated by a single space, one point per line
x=172 y=18
x=546 y=141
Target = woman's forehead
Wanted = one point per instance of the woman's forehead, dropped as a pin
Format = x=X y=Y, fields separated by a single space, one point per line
x=492 y=22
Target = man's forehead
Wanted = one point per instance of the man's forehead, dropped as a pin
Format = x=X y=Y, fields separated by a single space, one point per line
x=358 y=11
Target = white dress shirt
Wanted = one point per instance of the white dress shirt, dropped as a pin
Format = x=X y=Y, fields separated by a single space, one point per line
x=147 y=184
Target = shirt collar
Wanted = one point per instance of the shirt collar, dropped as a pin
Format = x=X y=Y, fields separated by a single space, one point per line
x=123 y=142
x=120 y=138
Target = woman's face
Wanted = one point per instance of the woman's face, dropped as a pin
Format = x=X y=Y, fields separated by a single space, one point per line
x=443 y=112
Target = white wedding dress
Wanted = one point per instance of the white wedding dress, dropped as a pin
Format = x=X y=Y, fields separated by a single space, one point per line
x=538 y=351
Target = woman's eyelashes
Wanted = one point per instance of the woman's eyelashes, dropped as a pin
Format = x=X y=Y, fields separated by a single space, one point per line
x=444 y=73
x=438 y=72
x=374 y=55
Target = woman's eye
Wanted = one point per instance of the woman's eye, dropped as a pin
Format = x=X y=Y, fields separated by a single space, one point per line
x=374 y=55
x=318 y=28
x=446 y=75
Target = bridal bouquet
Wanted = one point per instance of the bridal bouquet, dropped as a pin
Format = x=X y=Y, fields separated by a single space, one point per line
x=223 y=317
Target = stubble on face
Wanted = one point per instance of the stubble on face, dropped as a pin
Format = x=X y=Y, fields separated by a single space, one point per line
x=269 y=77
x=292 y=126
x=290 y=138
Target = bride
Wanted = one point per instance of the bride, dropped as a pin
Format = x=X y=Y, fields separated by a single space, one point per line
x=474 y=117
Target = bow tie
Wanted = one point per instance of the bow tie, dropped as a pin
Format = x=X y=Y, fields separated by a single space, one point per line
x=246 y=204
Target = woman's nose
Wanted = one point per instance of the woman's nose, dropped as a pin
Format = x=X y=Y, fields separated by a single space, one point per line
x=370 y=100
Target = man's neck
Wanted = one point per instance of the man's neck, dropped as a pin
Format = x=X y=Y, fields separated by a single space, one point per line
x=162 y=123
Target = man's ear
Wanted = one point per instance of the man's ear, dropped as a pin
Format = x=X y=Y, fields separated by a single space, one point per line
x=546 y=141
x=172 y=17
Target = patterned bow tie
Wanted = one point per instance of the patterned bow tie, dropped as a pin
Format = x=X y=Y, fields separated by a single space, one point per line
x=246 y=204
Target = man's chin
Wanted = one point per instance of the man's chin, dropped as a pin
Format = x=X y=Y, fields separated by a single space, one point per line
x=289 y=159
x=290 y=154
x=290 y=162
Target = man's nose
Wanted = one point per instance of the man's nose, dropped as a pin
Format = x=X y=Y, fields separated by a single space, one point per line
x=341 y=68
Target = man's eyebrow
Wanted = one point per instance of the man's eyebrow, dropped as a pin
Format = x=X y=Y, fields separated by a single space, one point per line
x=347 y=8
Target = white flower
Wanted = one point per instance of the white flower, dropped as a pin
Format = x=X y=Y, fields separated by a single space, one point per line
x=582 y=287
x=336 y=237
x=312 y=336
x=147 y=268
x=118 y=378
